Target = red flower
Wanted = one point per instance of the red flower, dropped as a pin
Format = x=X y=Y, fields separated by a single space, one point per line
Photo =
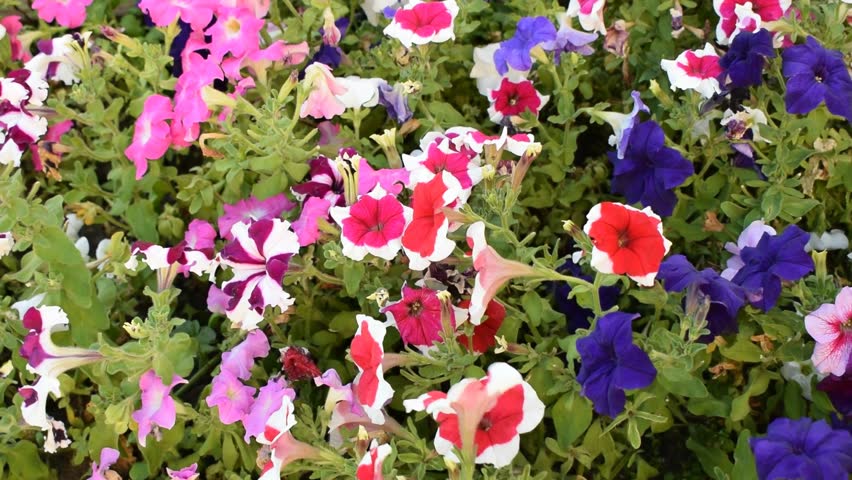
x=425 y=238
x=371 y=389
x=298 y=364
x=514 y=99
x=370 y=467
x=417 y=316
x=484 y=334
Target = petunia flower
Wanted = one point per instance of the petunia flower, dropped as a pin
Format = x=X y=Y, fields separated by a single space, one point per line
x=490 y=412
x=306 y=226
x=232 y=397
x=511 y=99
x=323 y=181
x=737 y=15
x=158 y=407
x=395 y=100
x=283 y=447
x=828 y=325
x=371 y=389
x=68 y=13
x=186 y=473
x=251 y=210
x=839 y=390
x=515 y=52
x=744 y=124
x=610 y=363
x=485 y=72
x=492 y=272
x=516 y=144
x=649 y=171
x=623 y=123
x=802 y=449
x=13 y=26
x=392 y=180
x=626 y=241
x=569 y=40
x=60 y=58
x=417 y=316
x=577 y=316
x=197 y=13
x=151 y=134
x=484 y=334
x=346 y=411
x=49 y=147
x=190 y=109
x=269 y=399
x=695 y=70
x=773 y=259
x=743 y=63
x=324 y=90
x=236 y=31
x=259 y=257
x=20 y=128
x=240 y=359
x=100 y=469
x=726 y=298
x=360 y=92
x=815 y=74
x=590 y=14
x=440 y=153
x=374 y=224
x=748 y=238
x=425 y=238
x=169 y=261
x=370 y=467
x=7 y=242
x=419 y=23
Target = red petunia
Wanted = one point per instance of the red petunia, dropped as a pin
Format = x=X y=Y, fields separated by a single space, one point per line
x=425 y=238
x=370 y=388
x=484 y=334
x=512 y=99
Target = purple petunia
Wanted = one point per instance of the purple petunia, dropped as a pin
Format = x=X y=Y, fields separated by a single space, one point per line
x=579 y=317
x=569 y=40
x=744 y=61
x=802 y=449
x=611 y=363
x=623 y=123
x=515 y=52
x=649 y=171
x=395 y=101
x=726 y=299
x=774 y=258
x=814 y=75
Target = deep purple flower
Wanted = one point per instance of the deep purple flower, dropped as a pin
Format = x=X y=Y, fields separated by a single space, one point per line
x=743 y=64
x=611 y=363
x=515 y=52
x=839 y=390
x=774 y=258
x=395 y=101
x=649 y=171
x=802 y=449
x=569 y=40
x=579 y=317
x=324 y=181
x=726 y=299
x=815 y=74
x=330 y=55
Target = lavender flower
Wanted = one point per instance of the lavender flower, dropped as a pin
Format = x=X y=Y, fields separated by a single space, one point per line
x=569 y=40
x=802 y=449
x=395 y=101
x=814 y=75
x=515 y=52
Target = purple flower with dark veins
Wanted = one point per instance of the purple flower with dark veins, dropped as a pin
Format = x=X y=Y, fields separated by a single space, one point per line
x=814 y=75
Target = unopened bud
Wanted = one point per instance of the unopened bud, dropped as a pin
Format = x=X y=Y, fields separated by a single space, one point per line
x=216 y=98
x=387 y=141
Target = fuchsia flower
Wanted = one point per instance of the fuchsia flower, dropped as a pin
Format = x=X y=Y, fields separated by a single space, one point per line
x=13 y=27
x=185 y=473
x=425 y=238
x=374 y=224
x=419 y=23
x=190 y=108
x=232 y=397
x=492 y=272
x=68 y=13
x=512 y=99
x=151 y=134
x=197 y=13
x=695 y=70
x=158 y=407
x=100 y=468
x=307 y=226
x=324 y=181
x=239 y=360
x=590 y=14
x=370 y=388
x=200 y=235
x=259 y=60
x=491 y=412
x=626 y=241
x=449 y=153
x=322 y=101
x=417 y=316
x=831 y=326
x=739 y=15
x=392 y=180
x=251 y=210
x=236 y=31
x=259 y=257
x=269 y=400
x=370 y=467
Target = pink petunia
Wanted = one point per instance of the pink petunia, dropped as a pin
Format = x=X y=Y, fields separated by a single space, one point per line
x=158 y=407
x=190 y=108
x=829 y=326
x=590 y=14
x=695 y=70
x=197 y=13
x=200 y=235
x=746 y=15
x=512 y=99
x=419 y=23
x=68 y=13
x=306 y=227
x=233 y=399
x=239 y=360
x=101 y=468
x=392 y=180
x=152 y=133
x=236 y=31
x=185 y=473
x=268 y=401
x=322 y=101
x=251 y=210
x=417 y=316
x=13 y=27
x=374 y=224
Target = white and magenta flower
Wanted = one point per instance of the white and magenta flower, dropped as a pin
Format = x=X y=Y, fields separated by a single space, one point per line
x=626 y=241
x=419 y=23
x=60 y=58
x=269 y=401
x=259 y=257
x=20 y=128
x=695 y=70
x=417 y=316
x=371 y=389
x=158 y=407
x=736 y=16
x=324 y=91
x=512 y=99
x=425 y=238
x=374 y=224
x=370 y=467
x=590 y=14
x=831 y=326
x=490 y=412
x=516 y=144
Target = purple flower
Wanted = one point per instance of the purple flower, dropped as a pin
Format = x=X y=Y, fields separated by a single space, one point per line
x=569 y=40
x=395 y=101
x=239 y=360
x=515 y=52
x=185 y=473
x=748 y=238
x=623 y=123
x=773 y=259
x=726 y=299
x=815 y=74
x=324 y=181
x=101 y=467
x=330 y=55
x=802 y=449
x=839 y=390
x=232 y=397
x=744 y=61
x=579 y=317
x=158 y=407
x=649 y=171
x=611 y=363
x=268 y=402
x=252 y=209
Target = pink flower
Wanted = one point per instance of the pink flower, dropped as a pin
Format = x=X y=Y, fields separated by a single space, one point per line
x=152 y=133
x=695 y=70
x=232 y=397
x=448 y=153
x=185 y=473
x=190 y=108
x=284 y=448
x=738 y=15
x=197 y=13
x=258 y=61
x=512 y=99
x=217 y=300
x=419 y=23
x=100 y=468
x=306 y=227
x=490 y=412
x=370 y=467
x=269 y=400
x=251 y=210
x=374 y=224
x=236 y=31
x=322 y=101
x=590 y=14
x=200 y=235
x=68 y=13
x=392 y=180
x=831 y=326
x=371 y=390
x=158 y=407
x=492 y=272
x=239 y=360
x=13 y=27
x=425 y=238
x=417 y=316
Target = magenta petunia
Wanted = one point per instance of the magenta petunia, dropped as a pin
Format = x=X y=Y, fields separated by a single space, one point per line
x=251 y=210
x=68 y=13
x=158 y=407
x=314 y=210
x=417 y=316
x=236 y=31
x=152 y=133
x=419 y=23
x=374 y=224
x=512 y=99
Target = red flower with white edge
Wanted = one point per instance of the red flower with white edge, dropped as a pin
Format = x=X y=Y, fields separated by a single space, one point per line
x=626 y=241
x=371 y=390
x=746 y=15
x=374 y=225
x=492 y=272
x=695 y=70
x=370 y=467
x=419 y=23
x=491 y=412
x=516 y=144
x=425 y=238
x=512 y=99
x=484 y=334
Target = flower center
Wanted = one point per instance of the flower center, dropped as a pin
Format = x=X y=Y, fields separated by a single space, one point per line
x=414 y=308
x=232 y=26
x=623 y=240
x=485 y=424
x=377 y=227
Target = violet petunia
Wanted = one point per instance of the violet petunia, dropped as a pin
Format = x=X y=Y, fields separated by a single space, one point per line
x=623 y=123
x=250 y=210
x=815 y=74
x=802 y=449
x=158 y=407
x=515 y=52
x=239 y=360
x=611 y=363
x=650 y=171
x=395 y=100
x=744 y=61
x=569 y=40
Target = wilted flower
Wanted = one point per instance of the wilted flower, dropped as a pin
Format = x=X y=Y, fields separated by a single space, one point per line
x=298 y=364
x=829 y=325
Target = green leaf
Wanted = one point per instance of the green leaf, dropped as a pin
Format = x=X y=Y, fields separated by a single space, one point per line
x=744 y=466
x=710 y=458
x=572 y=415
x=23 y=460
x=680 y=382
x=353 y=273
x=142 y=220
x=758 y=383
x=742 y=350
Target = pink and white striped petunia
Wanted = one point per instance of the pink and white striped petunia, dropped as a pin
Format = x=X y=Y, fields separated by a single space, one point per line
x=371 y=389
x=695 y=70
x=370 y=467
x=259 y=257
x=419 y=23
x=590 y=14
x=374 y=224
x=425 y=238
x=158 y=407
x=491 y=412
x=829 y=326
